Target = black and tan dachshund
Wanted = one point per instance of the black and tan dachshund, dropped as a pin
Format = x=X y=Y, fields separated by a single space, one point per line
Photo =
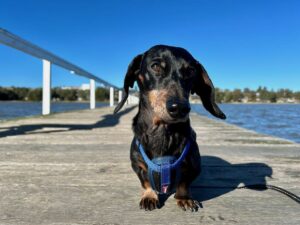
x=166 y=76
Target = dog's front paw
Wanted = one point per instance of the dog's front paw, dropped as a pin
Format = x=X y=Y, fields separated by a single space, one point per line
x=188 y=203
x=149 y=201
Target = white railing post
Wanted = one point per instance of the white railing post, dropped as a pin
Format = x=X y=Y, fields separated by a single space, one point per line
x=48 y=59
x=120 y=96
x=92 y=94
x=46 y=87
x=111 y=96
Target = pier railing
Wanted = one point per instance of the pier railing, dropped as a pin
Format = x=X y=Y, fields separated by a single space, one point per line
x=48 y=59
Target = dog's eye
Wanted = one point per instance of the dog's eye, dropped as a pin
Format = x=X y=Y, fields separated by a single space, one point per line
x=157 y=67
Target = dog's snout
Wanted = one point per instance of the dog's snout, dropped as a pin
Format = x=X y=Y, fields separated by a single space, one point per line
x=177 y=108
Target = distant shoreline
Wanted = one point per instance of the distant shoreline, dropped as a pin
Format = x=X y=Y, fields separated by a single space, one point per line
x=73 y=94
x=52 y=101
x=254 y=103
x=23 y=109
x=192 y=102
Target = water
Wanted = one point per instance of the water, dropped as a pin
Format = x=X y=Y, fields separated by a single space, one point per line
x=281 y=120
x=9 y=110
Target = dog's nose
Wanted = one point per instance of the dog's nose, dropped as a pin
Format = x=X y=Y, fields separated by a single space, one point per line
x=177 y=108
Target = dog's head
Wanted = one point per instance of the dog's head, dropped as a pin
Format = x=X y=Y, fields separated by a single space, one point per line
x=166 y=76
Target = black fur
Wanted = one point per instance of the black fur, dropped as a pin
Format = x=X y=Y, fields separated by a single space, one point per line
x=163 y=74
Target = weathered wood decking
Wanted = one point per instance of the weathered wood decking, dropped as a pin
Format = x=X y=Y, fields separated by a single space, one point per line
x=74 y=168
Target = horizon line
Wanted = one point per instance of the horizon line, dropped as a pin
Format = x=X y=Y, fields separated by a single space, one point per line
x=222 y=89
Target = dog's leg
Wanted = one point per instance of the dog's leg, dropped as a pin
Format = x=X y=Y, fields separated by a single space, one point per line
x=190 y=171
x=184 y=199
x=149 y=199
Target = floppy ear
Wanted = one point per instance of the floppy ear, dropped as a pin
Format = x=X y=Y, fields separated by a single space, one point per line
x=132 y=71
x=205 y=89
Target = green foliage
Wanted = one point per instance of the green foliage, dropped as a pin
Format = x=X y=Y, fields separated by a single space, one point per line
x=228 y=96
x=57 y=94
x=237 y=95
x=250 y=95
x=297 y=95
x=285 y=93
x=102 y=94
x=64 y=94
x=83 y=95
x=35 y=94
x=219 y=94
x=6 y=94
x=68 y=95
x=272 y=97
x=13 y=93
x=262 y=94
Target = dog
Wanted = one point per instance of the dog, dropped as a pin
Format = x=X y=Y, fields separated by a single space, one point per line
x=164 y=142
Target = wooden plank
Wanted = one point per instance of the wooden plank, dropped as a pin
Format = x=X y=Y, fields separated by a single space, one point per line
x=74 y=168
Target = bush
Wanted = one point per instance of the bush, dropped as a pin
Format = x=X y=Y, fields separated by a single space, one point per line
x=35 y=94
x=102 y=94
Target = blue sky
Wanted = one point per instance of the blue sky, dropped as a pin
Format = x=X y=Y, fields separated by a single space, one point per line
x=240 y=43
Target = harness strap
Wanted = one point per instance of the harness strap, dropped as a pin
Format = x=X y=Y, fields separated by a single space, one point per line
x=156 y=167
x=149 y=163
x=164 y=168
x=165 y=177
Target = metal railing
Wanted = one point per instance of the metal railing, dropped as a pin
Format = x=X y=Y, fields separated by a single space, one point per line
x=49 y=58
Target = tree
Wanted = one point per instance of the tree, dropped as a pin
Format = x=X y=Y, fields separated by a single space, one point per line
x=297 y=95
x=70 y=95
x=35 y=94
x=21 y=92
x=219 y=95
x=228 y=96
x=273 y=97
x=252 y=96
x=263 y=93
x=102 y=94
x=7 y=94
x=83 y=95
x=237 y=95
x=246 y=91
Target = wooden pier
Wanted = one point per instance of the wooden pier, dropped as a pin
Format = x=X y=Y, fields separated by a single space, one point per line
x=74 y=168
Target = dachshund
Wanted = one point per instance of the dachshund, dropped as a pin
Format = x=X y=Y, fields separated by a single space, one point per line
x=166 y=76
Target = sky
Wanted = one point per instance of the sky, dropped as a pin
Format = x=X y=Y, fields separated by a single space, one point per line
x=240 y=43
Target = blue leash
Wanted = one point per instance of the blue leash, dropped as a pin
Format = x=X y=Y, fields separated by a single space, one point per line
x=163 y=165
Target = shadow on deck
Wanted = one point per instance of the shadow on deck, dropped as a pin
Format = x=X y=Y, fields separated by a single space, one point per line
x=108 y=120
x=219 y=177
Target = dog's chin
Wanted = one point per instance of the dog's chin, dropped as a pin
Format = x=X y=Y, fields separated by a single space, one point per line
x=177 y=120
x=171 y=120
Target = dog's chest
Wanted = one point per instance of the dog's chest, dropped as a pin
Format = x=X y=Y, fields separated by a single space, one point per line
x=162 y=142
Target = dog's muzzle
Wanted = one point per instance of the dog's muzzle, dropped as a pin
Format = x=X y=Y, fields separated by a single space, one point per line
x=177 y=108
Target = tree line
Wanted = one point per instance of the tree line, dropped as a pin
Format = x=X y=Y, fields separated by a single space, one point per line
x=261 y=94
x=57 y=94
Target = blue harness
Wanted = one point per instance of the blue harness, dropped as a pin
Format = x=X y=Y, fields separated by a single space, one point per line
x=163 y=167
